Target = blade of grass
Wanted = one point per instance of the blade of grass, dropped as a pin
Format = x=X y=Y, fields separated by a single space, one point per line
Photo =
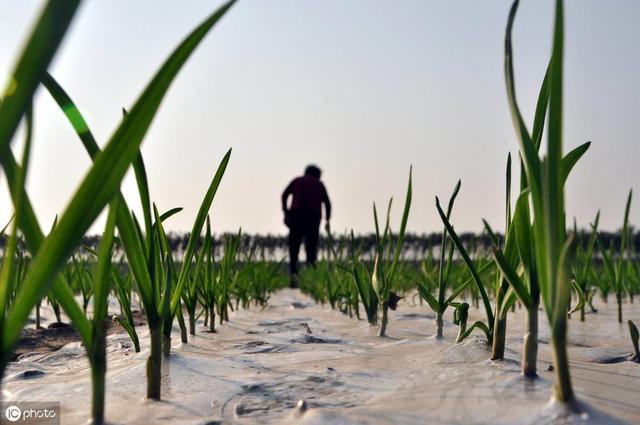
x=33 y=63
x=197 y=229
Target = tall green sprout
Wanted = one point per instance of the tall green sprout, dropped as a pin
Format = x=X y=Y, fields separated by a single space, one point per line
x=517 y=255
x=517 y=252
x=554 y=252
x=190 y=294
x=97 y=349
x=440 y=304
x=582 y=267
x=227 y=275
x=207 y=289
x=505 y=251
x=363 y=283
x=385 y=266
x=123 y=288
x=618 y=273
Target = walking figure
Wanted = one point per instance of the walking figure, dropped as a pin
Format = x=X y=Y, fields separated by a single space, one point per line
x=304 y=216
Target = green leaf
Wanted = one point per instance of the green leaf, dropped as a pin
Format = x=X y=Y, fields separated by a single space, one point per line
x=507 y=202
x=492 y=235
x=403 y=228
x=563 y=279
x=512 y=277
x=592 y=241
x=571 y=159
x=11 y=247
x=468 y=262
x=580 y=294
x=169 y=213
x=466 y=283
x=479 y=325
x=443 y=271
x=453 y=197
x=73 y=114
x=197 y=229
x=528 y=149
x=101 y=285
x=522 y=228
x=34 y=60
x=143 y=189
x=541 y=111
x=426 y=294
x=507 y=302
x=553 y=221
x=129 y=328
x=6 y=226
x=375 y=220
x=128 y=230
x=623 y=243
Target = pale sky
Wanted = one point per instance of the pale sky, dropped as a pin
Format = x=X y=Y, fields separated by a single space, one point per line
x=363 y=88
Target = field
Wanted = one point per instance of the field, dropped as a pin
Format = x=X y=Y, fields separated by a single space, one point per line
x=258 y=366
x=537 y=324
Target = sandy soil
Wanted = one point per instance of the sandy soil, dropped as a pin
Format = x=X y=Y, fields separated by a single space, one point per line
x=56 y=335
x=258 y=367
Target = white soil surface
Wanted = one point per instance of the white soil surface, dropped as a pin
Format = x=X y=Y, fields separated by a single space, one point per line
x=261 y=364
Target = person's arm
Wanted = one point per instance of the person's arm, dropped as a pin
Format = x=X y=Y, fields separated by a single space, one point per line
x=327 y=203
x=285 y=196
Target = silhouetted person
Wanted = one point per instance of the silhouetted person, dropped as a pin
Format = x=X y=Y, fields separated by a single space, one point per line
x=304 y=216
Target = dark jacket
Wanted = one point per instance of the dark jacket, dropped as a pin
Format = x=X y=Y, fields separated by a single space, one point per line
x=308 y=194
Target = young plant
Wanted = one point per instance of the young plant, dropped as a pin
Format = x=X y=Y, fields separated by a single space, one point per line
x=460 y=316
x=190 y=295
x=506 y=254
x=123 y=288
x=582 y=265
x=384 y=268
x=363 y=283
x=517 y=255
x=486 y=327
x=617 y=273
x=553 y=252
x=208 y=288
x=518 y=270
x=227 y=275
x=440 y=304
x=634 y=269
x=97 y=349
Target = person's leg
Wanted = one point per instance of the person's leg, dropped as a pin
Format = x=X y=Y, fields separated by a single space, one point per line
x=295 y=239
x=311 y=237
